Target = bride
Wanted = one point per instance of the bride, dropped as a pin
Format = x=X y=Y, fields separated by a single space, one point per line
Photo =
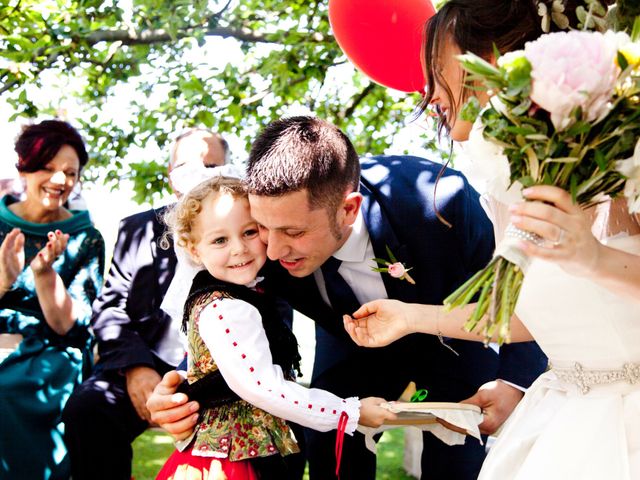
x=580 y=299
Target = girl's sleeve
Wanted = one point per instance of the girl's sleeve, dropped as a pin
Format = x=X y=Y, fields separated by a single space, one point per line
x=232 y=330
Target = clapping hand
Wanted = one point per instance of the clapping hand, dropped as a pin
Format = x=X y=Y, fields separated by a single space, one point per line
x=11 y=259
x=56 y=244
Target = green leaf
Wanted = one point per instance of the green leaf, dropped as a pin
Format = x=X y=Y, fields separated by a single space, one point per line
x=496 y=52
x=600 y=160
x=526 y=181
x=635 y=30
x=573 y=188
x=381 y=261
x=471 y=109
x=479 y=66
x=378 y=269
x=578 y=128
x=535 y=136
x=391 y=255
x=561 y=160
x=622 y=61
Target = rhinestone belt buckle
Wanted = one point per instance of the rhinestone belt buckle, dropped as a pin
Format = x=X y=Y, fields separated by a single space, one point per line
x=585 y=379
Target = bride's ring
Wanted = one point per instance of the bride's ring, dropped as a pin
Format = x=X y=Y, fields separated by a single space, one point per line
x=558 y=241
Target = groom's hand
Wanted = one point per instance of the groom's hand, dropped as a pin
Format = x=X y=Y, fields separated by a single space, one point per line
x=172 y=411
x=497 y=400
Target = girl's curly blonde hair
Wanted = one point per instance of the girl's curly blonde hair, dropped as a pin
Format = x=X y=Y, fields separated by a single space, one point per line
x=181 y=216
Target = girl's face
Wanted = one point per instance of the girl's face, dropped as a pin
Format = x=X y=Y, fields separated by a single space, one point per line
x=450 y=74
x=49 y=188
x=226 y=239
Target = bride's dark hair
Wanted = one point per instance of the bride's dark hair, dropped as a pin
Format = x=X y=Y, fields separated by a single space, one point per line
x=476 y=26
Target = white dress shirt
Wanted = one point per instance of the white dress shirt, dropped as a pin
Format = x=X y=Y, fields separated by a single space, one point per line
x=357 y=260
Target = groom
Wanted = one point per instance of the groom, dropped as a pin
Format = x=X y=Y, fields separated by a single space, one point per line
x=325 y=215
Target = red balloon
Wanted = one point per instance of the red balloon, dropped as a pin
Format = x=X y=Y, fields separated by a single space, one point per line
x=383 y=38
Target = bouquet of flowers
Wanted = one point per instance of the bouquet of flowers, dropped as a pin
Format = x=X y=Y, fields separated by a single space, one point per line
x=564 y=111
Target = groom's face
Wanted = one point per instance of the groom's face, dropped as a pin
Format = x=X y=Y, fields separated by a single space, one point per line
x=299 y=237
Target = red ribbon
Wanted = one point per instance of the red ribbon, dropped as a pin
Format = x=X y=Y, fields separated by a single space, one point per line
x=342 y=425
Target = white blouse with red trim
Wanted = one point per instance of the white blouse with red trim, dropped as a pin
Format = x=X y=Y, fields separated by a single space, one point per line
x=233 y=332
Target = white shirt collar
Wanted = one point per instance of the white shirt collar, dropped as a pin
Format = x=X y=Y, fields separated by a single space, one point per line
x=252 y=284
x=355 y=248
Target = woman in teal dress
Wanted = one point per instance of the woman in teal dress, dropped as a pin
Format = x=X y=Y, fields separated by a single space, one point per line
x=51 y=267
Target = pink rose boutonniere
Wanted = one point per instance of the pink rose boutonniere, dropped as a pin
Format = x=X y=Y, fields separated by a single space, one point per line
x=393 y=267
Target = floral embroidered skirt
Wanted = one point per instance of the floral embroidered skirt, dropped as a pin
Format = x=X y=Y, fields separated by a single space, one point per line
x=240 y=431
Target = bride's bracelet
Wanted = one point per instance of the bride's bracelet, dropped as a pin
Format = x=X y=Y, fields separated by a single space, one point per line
x=439 y=333
x=514 y=232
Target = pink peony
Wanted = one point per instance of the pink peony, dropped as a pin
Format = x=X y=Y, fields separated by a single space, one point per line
x=397 y=270
x=571 y=69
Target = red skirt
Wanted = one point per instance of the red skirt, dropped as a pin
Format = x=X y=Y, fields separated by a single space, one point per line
x=184 y=465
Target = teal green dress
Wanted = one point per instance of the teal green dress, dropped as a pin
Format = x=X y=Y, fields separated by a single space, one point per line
x=38 y=377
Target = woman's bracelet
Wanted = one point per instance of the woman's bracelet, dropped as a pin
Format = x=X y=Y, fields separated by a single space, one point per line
x=439 y=333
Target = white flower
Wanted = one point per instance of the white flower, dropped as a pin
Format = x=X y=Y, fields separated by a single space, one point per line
x=506 y=60
x=630 y=168
x=571 y=69
x=489 y=166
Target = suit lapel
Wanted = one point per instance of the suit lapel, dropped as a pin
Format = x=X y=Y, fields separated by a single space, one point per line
x=383 y=236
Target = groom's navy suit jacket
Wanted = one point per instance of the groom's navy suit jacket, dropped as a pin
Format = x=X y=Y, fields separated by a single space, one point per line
x=400 y=209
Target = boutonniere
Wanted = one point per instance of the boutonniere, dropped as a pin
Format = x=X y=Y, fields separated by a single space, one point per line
x=393 y=267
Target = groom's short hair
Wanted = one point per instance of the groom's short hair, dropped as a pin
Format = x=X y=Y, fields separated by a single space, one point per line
x=297 y=153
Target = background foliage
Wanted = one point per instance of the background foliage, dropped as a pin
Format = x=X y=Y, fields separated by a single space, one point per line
x=140 y=70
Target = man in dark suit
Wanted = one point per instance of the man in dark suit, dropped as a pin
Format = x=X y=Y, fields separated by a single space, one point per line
x=319 y=207
x=137 y=341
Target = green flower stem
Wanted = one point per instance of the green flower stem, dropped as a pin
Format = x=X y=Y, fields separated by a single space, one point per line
x=504 y=314
x=499 y=286
x=483 y=305
x=471 y=285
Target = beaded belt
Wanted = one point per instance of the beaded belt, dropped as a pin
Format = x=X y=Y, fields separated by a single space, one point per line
x=585 y=379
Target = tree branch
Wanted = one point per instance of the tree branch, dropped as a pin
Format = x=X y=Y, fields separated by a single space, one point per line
x=149 y=37
x=357 y=100
x=50 y=59
x=222 y=10
x=15 y=9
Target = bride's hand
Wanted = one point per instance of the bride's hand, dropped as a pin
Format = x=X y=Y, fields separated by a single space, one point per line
x=565 y=227
x=378 y=323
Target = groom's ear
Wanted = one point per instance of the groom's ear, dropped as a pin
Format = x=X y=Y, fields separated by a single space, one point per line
x=351 y=207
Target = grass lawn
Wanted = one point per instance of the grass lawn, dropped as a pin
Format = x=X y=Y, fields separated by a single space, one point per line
x=152 y=448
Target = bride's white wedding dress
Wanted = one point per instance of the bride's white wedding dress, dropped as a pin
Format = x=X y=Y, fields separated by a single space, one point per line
x=581 y=419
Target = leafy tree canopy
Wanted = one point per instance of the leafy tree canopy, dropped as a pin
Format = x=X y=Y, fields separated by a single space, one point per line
x=138 y=72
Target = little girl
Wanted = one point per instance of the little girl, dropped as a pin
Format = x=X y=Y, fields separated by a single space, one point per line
x=238 y=344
